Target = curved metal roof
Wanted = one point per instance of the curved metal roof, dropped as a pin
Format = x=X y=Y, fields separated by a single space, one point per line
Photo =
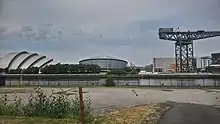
x=23 y=60
x=7 y=60
x=36 y=61
x=42 y=62
x=46 y=63
x=32 y=61
x=26 y=59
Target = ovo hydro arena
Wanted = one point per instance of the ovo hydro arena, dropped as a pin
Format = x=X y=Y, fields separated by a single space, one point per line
x=105 y=62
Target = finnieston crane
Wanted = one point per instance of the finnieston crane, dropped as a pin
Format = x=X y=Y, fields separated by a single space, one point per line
x=184 y=57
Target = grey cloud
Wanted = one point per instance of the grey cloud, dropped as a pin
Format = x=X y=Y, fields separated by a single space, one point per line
x=96 y=12
x=122 y=28
x=44 y=33
x=2 y=33
x=1 y=6
x=2 y=30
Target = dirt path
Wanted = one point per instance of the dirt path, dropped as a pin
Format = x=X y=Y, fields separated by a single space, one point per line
x=185 y=113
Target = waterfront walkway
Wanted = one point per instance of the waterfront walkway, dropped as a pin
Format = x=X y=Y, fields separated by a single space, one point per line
x=186 y=113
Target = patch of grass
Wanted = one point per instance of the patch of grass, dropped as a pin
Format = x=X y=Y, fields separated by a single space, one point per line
x=146 y=114
x=35 y=120
x=109 y=82
x=40 y=105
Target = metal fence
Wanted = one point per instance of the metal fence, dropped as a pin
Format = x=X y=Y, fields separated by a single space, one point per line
x=118 y=82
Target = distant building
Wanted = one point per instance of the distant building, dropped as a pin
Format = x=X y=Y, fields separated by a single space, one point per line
x=215 y=58
x=214 y=67
x=149 y=68
x=206 y=61
x=198 y=63
x=163 y=64
x=105 y=63
x=203 y=62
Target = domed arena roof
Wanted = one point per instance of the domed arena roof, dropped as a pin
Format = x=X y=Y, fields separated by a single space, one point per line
x=103 y=58
x=105 y=62
x=23 y=60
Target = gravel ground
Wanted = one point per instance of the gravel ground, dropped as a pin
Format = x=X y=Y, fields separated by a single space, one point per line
x=103 y=98
x=186 y=113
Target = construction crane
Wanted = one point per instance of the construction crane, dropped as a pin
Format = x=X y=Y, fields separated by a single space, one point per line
x=185 y=61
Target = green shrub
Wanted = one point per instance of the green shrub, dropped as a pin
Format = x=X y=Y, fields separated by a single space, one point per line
x=41 y=105
x=109 y=82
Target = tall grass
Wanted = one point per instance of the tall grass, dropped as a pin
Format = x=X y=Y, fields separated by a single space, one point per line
x=41 y=105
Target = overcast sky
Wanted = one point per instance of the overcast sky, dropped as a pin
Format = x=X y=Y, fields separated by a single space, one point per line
x=70 y=30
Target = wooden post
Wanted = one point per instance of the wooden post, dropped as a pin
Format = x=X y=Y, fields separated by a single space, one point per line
x=81 y=105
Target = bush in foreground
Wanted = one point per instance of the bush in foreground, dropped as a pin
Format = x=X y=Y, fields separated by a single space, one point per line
x=40 y=105
x=109 y=82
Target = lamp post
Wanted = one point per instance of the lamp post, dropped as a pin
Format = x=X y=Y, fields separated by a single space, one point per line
x=39 y=72
x=20 y=77
x=164 y=66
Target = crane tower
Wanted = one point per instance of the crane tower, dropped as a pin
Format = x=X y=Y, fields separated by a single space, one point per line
x=184 y=46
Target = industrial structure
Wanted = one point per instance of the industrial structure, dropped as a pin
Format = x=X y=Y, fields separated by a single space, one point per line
x=214 y=67
x=184 y=46
x=203 y=62
x=105 y=63
x=215 y=58
x=164 y=65
x=23 y=60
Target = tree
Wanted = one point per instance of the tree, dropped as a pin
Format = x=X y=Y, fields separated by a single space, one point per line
x=2 y=70
x=59 y=69
x=70 y=69
x=124 y=71
x=109 y=82
x=117 y=72
x=133 y=72
x=32 y=70
x=15 y=71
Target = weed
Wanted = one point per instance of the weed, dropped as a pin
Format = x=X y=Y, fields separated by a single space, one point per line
x=41 y=105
